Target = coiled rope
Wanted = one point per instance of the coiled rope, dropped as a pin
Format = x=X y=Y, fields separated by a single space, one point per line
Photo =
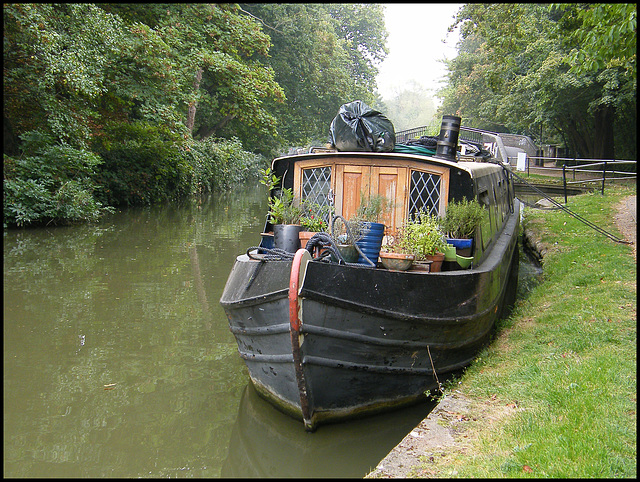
x=321 y=240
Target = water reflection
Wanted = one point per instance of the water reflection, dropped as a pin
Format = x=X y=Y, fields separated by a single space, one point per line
x=118 y=360
x=267 y=443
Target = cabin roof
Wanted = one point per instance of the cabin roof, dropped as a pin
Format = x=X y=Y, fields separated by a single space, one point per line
x=475 y=169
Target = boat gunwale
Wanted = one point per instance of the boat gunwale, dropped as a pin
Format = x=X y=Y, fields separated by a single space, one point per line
x=261 y=357
x=372 y=340
x=508 y=231
x=256 y=300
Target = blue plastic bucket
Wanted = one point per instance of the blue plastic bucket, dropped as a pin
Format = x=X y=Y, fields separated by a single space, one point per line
x=371 y=242
x=463 y=246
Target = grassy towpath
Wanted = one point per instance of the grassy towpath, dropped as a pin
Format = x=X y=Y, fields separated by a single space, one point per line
x=554 y=395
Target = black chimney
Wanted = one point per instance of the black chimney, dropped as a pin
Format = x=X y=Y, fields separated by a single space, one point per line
x=447 y=145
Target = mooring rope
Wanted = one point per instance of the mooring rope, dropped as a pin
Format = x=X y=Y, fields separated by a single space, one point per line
x=270 y=254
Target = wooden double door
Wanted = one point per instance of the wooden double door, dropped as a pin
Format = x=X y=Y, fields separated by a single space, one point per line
x=348 y=181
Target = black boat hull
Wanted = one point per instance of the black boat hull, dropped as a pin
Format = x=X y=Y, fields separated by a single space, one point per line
x=350 y=341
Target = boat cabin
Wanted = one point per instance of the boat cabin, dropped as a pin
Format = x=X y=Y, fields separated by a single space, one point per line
x=413 y=182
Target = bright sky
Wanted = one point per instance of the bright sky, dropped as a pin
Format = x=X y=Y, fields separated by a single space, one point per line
x=415 y=44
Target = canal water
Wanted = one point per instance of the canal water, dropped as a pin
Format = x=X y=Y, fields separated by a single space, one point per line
x=118 y=360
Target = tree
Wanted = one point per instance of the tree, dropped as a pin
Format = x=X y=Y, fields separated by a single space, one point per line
x=362 y=28
x=518 y=75
x=604 y=44
x=323 y=56
x=217 y=60
x=110 y=90
x=57 y=63
x=129 y=88
x=605 y=39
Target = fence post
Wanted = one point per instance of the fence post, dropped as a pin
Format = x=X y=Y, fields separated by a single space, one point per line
x=564 y=182
x=604 y=174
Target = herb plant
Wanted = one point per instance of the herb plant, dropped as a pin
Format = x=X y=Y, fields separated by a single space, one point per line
x=373 y=208
x=423 y=236
x=313 y=218
x=461 y=219
x=285 y=209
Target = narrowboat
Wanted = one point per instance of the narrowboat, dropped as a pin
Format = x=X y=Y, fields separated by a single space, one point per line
x=326 y=340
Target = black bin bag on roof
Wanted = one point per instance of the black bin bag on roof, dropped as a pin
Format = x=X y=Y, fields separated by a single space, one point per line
x=357 y=127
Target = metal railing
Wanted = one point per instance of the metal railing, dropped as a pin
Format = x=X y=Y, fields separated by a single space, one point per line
x=416 y=132
x=466 y=133
x=494 y=142
x=582 y=171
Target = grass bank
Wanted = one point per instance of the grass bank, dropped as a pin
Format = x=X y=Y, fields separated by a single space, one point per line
x=555 y=394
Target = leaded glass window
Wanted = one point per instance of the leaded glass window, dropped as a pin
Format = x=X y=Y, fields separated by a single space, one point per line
x=316 y=187
x=424 y=193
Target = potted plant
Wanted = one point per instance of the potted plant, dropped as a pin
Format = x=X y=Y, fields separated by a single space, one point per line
x=314 y=216
x=460 y=222
x=425 y=238
x=396 y=254
x=370 y=213
x=345 y=235
x=270 y=180
x=284 y=213
x=312 y=221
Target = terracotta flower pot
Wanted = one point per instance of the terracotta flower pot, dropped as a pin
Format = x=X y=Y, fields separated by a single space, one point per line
x=305 y=236
x=437 y=260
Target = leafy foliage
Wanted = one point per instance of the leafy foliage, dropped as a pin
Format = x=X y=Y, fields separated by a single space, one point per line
x=171 y=96
x=606 y=39
x=462 y=218
x=147 y=167
x=422 y=236
x=373 y=208
x=285 y=208
x=314 y=217
x=51 y=183
x=142 y=167
x=521 y=76
x=220 y=164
